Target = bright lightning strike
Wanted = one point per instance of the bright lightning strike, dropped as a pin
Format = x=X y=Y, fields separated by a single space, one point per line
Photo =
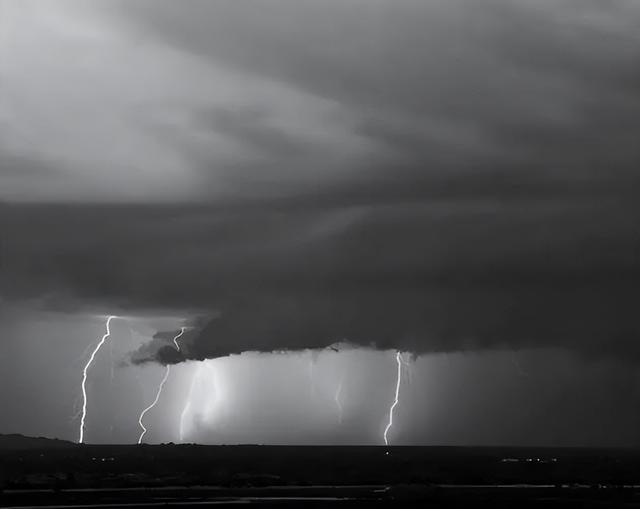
x=399 y=361
x=160 y=387
x=84 y=377
x=175 y=340
x=155 y=402
x=187 y=407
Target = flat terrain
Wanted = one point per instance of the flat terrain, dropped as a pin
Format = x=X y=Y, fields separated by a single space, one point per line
x=43 y=473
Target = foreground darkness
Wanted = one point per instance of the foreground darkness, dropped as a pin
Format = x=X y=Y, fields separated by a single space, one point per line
x=41 y=472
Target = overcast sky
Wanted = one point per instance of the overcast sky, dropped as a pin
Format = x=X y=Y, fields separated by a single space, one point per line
x=433 y=176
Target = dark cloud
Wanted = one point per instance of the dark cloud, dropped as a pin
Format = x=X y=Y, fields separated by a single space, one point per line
x=447 y=65
x=169 y=355
x=487 y=195
x=506 y=99
x=161 y=349
x=253 y=128
x=22 y=166
x=444 y=276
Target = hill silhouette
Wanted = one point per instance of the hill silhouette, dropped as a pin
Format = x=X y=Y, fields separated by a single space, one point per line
x=16 y=442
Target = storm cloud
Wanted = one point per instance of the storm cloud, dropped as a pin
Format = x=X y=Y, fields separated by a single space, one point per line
x=420 y=278
x=423 y=176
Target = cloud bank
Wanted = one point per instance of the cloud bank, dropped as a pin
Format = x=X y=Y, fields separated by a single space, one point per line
x=420 y=278
x=427 y=176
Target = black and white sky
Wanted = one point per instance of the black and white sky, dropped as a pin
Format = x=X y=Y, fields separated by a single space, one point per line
x=457 y=179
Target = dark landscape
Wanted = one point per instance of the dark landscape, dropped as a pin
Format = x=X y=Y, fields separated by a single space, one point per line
x=51 y=473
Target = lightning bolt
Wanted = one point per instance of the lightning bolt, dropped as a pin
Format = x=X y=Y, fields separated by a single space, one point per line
x=111 y=371
x=187 y=407
x=84 y=376
x=155 y=402
x=175 y=340
x=399 y=361
x=167 y=371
